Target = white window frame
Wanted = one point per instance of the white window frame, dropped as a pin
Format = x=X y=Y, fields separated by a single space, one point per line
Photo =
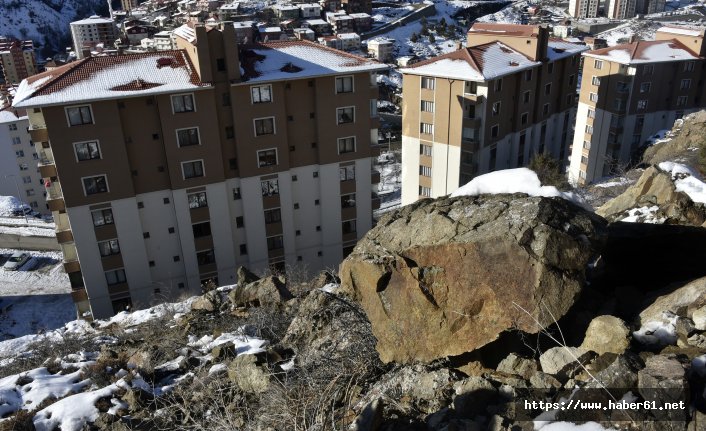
x=593 y=97
x=589 y=129
x=105 y=274
x=254 y=126
x=338 y=145
x=100 y=152
x=257 y=156
x=425 y=105
x=429 y=130
x=203 y=169
x=198 y=135
x=597 y=64
x=342 y=108
x=252 y=98
x=595 y=80
x=68 y=119
x=425 y=150
x=425 y=191
x=425 y=171
x=83 y=184
x=430 y=82
x=335 y=84
x=591 y=113
x=193 y=102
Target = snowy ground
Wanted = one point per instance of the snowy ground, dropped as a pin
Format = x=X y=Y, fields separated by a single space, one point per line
x=390 y=188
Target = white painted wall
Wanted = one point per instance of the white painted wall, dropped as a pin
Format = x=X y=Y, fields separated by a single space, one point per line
x=218 y=208
x=410 y=169
x=254 y=223
x=133 y=251
x=331 y=212
x=187 y=254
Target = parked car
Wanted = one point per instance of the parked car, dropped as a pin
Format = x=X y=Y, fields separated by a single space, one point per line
x=21 y=211
x=16 y=261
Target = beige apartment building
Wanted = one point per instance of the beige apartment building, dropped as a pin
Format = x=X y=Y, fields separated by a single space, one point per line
x=583 y=8
x=17 y=59
x=631 y=91
x=493 y=105
x=171 y=168
x=92 y=31
x=621 y=9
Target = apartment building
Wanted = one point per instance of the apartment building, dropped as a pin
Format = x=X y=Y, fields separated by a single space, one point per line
x=583 y=8
x=19 y=175
x=92 y=31
x=629 y=92
x=621 y=9
x=17 y=59
x=128 y=5
x=493 y=105
x=171 y=168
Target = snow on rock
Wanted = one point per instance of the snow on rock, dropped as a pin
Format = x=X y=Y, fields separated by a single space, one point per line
x=660 y=333
x=330 y=288
x=644 y=215
x=128 y=319
x=686 y=180
x=519 y=180
x=73 y=412
x=243 y=344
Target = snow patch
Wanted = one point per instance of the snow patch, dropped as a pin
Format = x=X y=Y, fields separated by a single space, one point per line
x=686 y=180
x=661 y=333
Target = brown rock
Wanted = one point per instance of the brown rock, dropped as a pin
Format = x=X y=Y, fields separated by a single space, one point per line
x=268 y=290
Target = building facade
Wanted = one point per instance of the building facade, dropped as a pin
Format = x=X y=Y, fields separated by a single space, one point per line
x=583 y=8
x=17 y=59
x=92 y=31
x=621 y=9
x=509 y=95
x=186 y=164
x=631 y=91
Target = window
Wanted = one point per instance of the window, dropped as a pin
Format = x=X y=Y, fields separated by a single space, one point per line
x=19 y=153
x=93 y=185
x=425 y=171
x=109 y=247
x=273 y=216
x=346 y=145
x=275 y=243
x=468 y=134
x=619 y=104
x=597 y=64
x=689 y=66
x=496 y=108
x=523 y=118
x=572 y=79
x=645 y=87
x=587 y=145
x=221 y=64
x=183 y=103
x=239 y=222
x=24 y=167
x=499 y=84
x=187 y=137
x=589 y=129
x=348 y=226
x=470 y=87
x=685 y=84
x=528 y=75
x=87 y=151
x=201 y=229
x=681 y=100
x=345 y=115
x=230 y=132
x=30 y=192
x=16 y=140
x=348 y=201
x=426 y=128
x=427 y=106
x=494 y=131
x=344 y=84
x=591 y=113
x=545 y=109
x=79 y=115
x=596 y=80
x=425 y=150
x=622 y=87
x=225 y=99
x=193 y=169
x=267 y=158
x=205 y=257
x=373 y=108
x=642 y=104
x=593 y=97
x=12 y=126
x=648 y=69
x=526 y=97
x=584 y=160
x=115 y=277
x=264 y=126
x=243 y=249
x=425 y=191
x=197 y=200
x=27 y=180
x=269 y=187
x=261 y=93
x=428 y=83
x=102 y=217
x=346 y=172
x=550 y=68
x=548 y=88
x=236 y=193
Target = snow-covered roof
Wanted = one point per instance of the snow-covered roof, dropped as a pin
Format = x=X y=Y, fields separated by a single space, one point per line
x=285 y=7
x=317 y=21
x=272 y=61
x=558 y=49
x=8 y=115
x=111 y=77
x=683 y=31
x=185 y=32
x=359 y=15
x=309 y=5
x=479 y=63
x=348 y=36
x=95 y=19
x=643 y=51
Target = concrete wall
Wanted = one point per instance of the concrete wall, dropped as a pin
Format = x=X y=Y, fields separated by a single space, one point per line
x=20 y=242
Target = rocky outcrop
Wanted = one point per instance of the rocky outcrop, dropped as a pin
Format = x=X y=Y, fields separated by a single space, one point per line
x=440 y=278
x=682 y=302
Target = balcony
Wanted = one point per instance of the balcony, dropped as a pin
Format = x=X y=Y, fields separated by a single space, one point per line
x=64 y=236
x=38 y=134
x=375 y=201
x=375 y=177
x=473 y=98
x=79 y=295
x=56 y=204
x=47 y=168
x=471 y=123
x=72 y=266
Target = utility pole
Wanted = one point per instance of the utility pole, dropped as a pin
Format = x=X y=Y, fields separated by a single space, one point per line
x=19 y=197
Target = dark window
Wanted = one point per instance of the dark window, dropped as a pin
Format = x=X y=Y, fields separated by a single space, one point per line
x=87 y=151
x=102 y=217
x=273 y=216
x=233 y=164
x=151 y=263
x=316 y=174
x=176 y=258
x=226 y=99
x=201 y=229
x=296 y=206
x=243 y=249
x=79 y=115
x=294 y=178
x=318 y=228
x=347 y=172
x=192 y=169
x=316 y=201
x=269 y=187
x=110 y=247
x=95 y=185
x=236 y=193
x=183 y=103
x=145 y=235
x=264 y=126
x=239 y=221
x=115 y=277
x=348 y=201
x=230 y=132
x=197 y=200
x=187 y=137
x=344 y=84
x=205 y=257
x=140 y=205
x=266 y=158
x=165 y=200
x=261 y=94
x=221 y=64
x=348 y=226
x=170 y=230
x=275 y=242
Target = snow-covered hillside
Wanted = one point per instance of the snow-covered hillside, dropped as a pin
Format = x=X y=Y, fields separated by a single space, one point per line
x=46 y=22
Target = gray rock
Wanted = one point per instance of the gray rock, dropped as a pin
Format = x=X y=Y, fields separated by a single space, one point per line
x=697 y=340
x=245 y=276
x=663 y=380
x=620 y=374
x=245 y=372
x=209 y=302
x=606 y=334
x=514 y=364
x=370 y=419
x=433 y=277
x=564 y=361
x=268 y=290
x=699 y=318
x=472 y=396
x=698 y=422
x=541 y=380
x=677 y=302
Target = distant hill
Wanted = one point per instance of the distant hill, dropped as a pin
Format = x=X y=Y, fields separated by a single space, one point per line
x=46 y=22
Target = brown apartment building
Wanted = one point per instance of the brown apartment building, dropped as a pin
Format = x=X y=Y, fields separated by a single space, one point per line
x=167 y=169
x=493 y=105
x=17 y=59
x=631 y=91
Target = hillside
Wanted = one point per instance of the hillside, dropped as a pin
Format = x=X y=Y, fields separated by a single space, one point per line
x=46 y=22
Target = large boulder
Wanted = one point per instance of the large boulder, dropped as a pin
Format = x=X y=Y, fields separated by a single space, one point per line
x=682 y=302
x=444 y=277
x=265 y=291
x=606 y=334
